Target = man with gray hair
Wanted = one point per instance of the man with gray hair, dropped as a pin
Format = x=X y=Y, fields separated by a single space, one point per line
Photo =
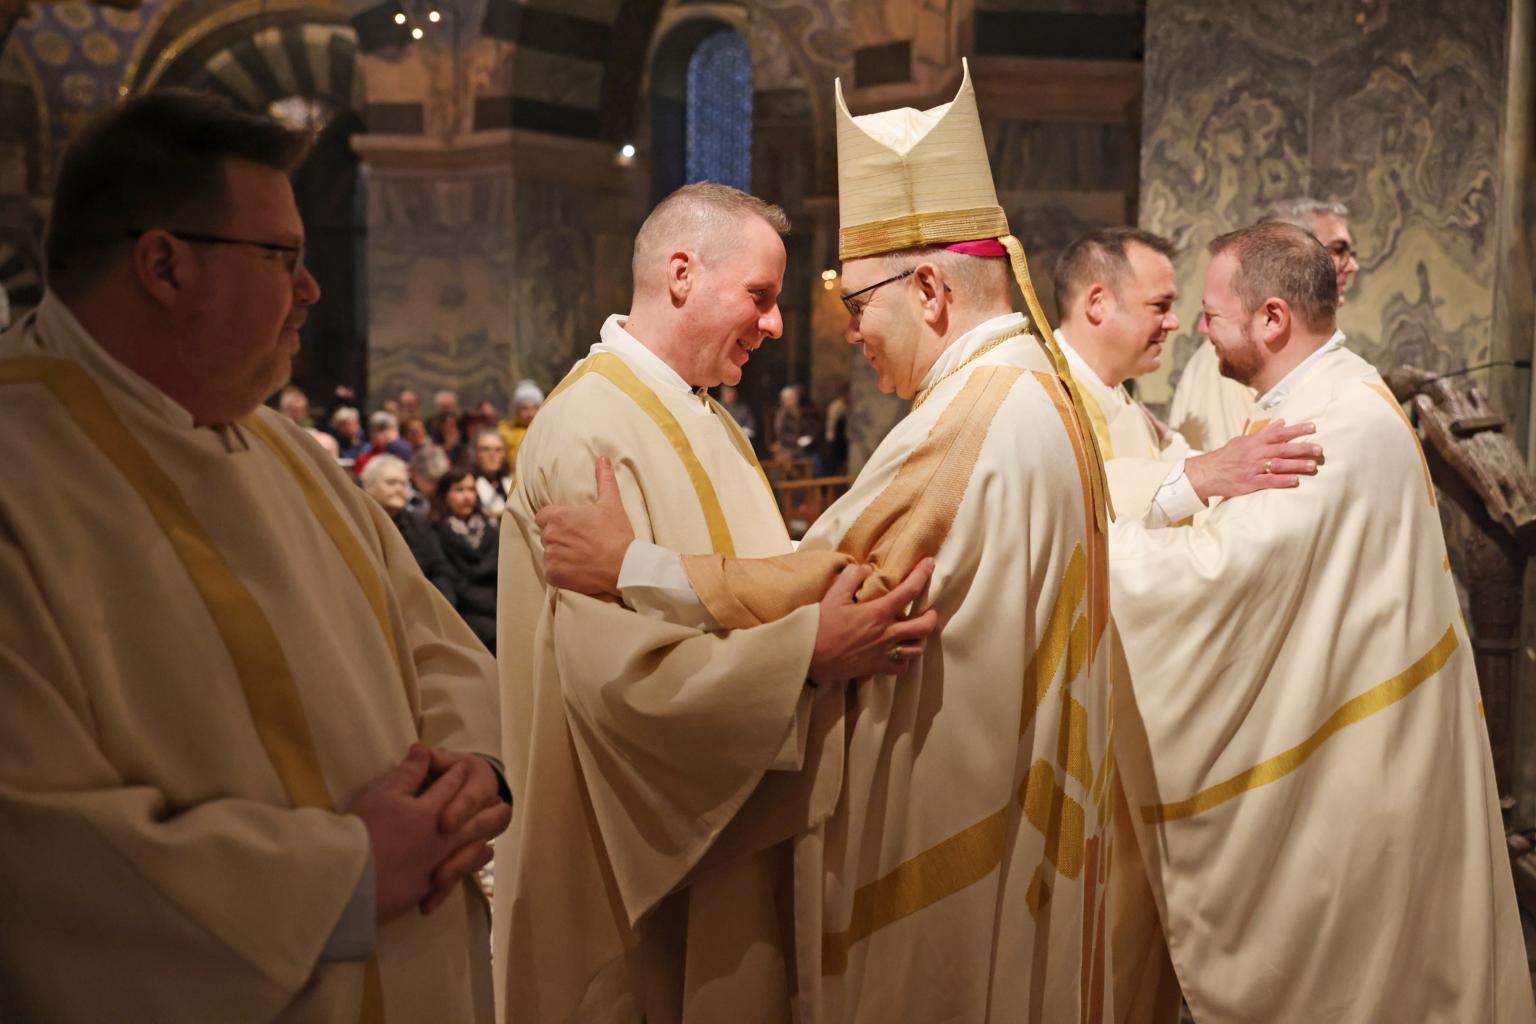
x=659 y=765
x=1303 y=699
x=1208 y=407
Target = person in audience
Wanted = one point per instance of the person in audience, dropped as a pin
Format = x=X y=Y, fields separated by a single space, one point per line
x=445 y=401
x=293 y=403
x=797 y=427
x=383 y=436
x=526 y=400
x=386 y=480
x=347 y=429
x=427 y=467
x=410 y=404
x=413 y=431
x=493 y=476
x=444 y=429
x=469 y=540
x=741 y=411
x=325 y=441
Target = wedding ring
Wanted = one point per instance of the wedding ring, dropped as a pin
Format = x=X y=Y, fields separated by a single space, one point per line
x=1269 y=465
x=897 y=654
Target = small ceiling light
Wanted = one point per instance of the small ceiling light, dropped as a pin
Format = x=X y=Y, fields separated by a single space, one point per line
x=829 y=275
x=627 y=151
x=434 y=17
x=417 y=33
x=399 y=17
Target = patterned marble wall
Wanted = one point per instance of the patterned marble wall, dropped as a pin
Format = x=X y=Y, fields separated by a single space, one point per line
x=1392 y=106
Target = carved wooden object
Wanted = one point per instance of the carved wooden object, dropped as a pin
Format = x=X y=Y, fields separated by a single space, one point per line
x=1476 y=465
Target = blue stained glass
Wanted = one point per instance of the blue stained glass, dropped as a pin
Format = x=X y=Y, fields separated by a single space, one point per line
x=720 y=111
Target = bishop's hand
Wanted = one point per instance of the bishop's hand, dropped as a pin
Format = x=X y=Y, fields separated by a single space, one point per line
x=584 y=545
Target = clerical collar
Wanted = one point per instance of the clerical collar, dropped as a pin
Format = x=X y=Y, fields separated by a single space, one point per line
x=619 y=341
x=1275 y=395
x=965 y=346
x=1080 y=367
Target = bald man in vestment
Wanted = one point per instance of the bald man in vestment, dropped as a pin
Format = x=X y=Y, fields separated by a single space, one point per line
x=1302 y=743
x=661 y=766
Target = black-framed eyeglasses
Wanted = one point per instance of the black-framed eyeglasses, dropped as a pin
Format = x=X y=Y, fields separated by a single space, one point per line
x=855 y=307
x=293 y=255
x=1340 y=250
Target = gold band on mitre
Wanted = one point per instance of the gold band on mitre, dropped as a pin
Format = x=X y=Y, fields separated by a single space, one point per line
x=915 y=230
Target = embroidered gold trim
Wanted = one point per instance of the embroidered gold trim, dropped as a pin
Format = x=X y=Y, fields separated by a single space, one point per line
x=913 y=230
x=617 y=372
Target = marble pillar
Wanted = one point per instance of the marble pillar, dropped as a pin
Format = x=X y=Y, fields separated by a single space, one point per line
x=1393 y=107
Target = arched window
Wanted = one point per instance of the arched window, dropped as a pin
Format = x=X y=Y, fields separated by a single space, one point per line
x=720 y=111
x=701 y=107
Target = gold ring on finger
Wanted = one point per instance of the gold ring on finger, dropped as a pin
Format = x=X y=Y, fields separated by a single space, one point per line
x=1269 y=465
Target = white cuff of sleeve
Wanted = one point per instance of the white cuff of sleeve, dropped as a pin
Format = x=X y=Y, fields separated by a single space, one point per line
x=652 y=581
x=1175 y=499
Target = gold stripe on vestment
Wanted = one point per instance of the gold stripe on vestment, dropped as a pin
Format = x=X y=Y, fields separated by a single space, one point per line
x=254 y=648
x=1358 y=708
x=1102 y=509
x=617 y=372
x=1097 y=540
x=1254 y=426
x=266 y=680
x=1429 y=484
x=363 y=569
x=1100 y=424
x=1040 y=672
x=1057 y=816
x=959 y=861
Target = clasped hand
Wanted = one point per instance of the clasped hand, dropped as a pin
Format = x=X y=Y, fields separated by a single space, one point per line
x=430 y=820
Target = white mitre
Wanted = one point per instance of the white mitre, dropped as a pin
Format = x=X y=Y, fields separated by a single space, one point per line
x=912 y=178
x=909 y=178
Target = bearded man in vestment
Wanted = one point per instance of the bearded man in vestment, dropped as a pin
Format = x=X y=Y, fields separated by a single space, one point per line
x=1210 y=408
x=660 y=766
x=1302 y=744
x=245 y=758
x=962 y=873
x=1115 y=289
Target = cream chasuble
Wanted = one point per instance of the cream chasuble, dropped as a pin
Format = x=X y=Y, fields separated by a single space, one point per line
x=212 y=640
x=1208 y=409
x=962 y=876
x=1136 y=459
x=653 y=763
x=1303 y=742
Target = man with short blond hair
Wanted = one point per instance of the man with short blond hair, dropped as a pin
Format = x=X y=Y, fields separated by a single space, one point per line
x=661 y=766
x=1302 y=699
